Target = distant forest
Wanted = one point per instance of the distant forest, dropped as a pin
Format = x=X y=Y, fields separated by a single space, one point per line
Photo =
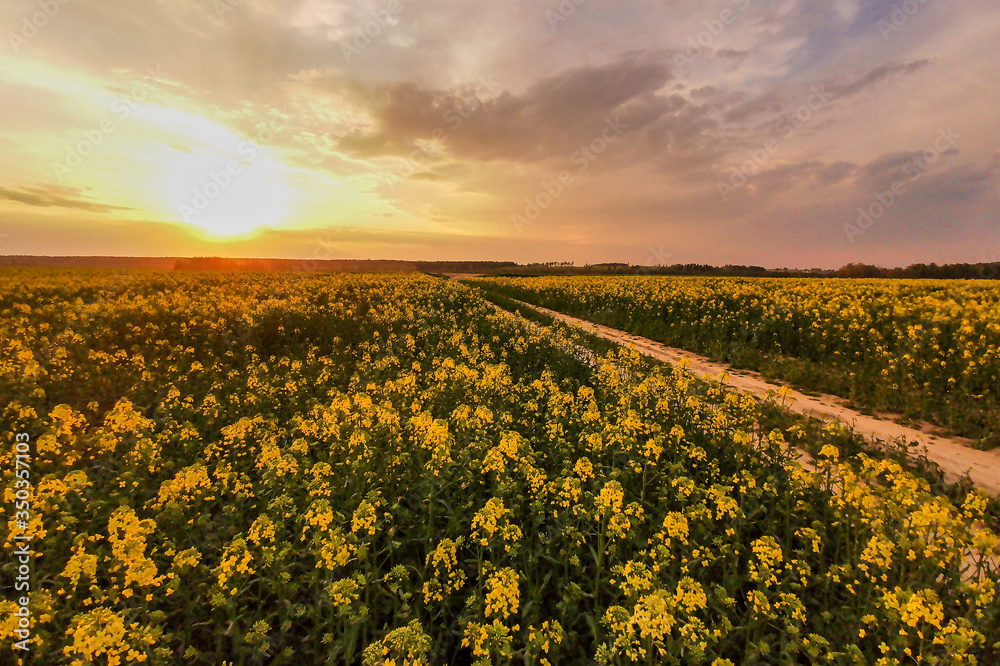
x=983 y=271
x=989 y=271
x=340 y=265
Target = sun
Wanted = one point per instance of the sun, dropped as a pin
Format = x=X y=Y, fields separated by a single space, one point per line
x=220 y=182
x=230 y=197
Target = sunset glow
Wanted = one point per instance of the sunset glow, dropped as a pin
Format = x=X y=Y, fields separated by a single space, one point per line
x=733 y=132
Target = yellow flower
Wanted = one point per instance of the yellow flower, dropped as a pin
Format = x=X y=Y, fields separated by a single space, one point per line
x=335 y=552
x=610 y=499
x=447 y=578
x=654 y=616
x=104 y=633
x=690 y=595
x=502 y=594
x=584 y=469
x=486 y=521
x=769 y=558
x=675 y=526
x=235 y=560
x=127 y=535
x=344 y=592
x=320 y=515
x=635 y=578
x=830 y=451
x=406 y=646
x=188 y=485
x=365 y=517
x=80 y=564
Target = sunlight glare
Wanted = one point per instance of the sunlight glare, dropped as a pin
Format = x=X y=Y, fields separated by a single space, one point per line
x=226 y=193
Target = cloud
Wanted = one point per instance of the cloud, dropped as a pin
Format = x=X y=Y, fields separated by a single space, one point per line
x=549 y=119
x=784 y=178
x=770 y=103
x=874 y=76
x=775 y=100
x=55 y=196
x=731 y=54
x=958 y=185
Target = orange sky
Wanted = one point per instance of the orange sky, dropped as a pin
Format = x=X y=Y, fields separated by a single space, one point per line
x=781 y=133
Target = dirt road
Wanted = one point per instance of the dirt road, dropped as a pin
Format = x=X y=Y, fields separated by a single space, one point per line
x=952 y=454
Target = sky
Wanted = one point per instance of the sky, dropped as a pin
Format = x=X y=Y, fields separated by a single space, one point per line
x=781 y=133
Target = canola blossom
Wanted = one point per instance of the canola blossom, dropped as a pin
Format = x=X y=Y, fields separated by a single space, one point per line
x=385 y=470
x=926 y=349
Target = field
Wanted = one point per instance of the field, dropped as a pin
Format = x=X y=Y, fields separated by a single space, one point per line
x=926 y=350
x=338 y=469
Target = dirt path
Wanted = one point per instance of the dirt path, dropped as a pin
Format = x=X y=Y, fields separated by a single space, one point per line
x=588 y=356
x=955 y=458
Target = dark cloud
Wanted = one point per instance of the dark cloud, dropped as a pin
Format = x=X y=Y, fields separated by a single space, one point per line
x=781 y=179
x=55 y=196
x=906 y=166
x=427 y=175
x=770 y=103
x=731 y=54
x=780 y=100
x=551 y=118
x=836 y=172
x=957 y=185
x=926 y=183
x=873 y=77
